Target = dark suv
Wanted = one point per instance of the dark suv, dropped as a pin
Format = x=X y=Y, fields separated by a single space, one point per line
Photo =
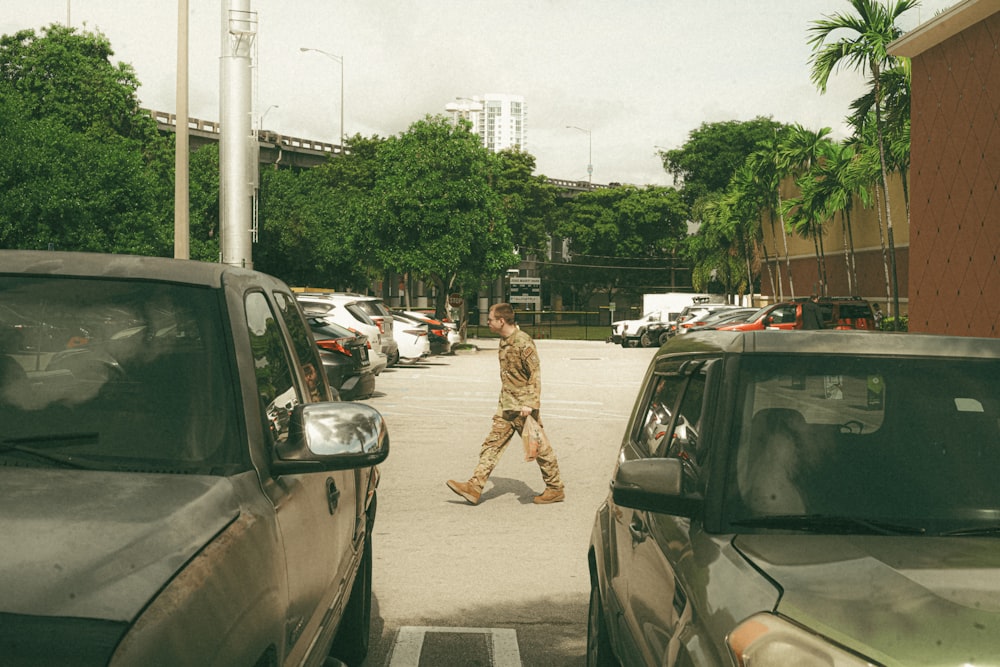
x=804 y=498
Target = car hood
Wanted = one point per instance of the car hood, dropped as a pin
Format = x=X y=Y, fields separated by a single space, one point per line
x=900 y=600
x=101 y=544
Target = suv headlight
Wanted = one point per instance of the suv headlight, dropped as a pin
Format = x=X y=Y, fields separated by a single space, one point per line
x=766 y=639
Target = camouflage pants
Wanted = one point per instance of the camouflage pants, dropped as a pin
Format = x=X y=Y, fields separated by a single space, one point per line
x=496 y=442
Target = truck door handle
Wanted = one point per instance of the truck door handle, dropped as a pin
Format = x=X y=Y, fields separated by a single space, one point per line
x=637 y=529
x=332 y=495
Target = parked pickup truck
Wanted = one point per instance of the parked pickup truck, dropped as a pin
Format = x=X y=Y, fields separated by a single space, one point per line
x=176 y=486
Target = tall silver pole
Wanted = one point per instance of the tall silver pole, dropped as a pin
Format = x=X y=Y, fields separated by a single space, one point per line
x=236 y=191
x=182 y=222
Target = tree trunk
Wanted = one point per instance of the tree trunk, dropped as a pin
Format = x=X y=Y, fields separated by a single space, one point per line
x=885 y=190
x=847 y=255
x=788 y=262
x=777 y=265
x=885 y=252
x=854 y=263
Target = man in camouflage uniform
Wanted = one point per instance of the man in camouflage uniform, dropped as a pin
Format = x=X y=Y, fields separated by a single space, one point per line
x=520 y=396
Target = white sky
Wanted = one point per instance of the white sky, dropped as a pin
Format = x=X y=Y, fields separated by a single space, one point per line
x=639 y=74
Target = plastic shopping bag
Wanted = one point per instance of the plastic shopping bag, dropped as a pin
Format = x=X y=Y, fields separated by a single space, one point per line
x=533 y=437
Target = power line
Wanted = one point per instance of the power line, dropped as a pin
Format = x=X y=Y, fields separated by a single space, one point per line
x=610 y=266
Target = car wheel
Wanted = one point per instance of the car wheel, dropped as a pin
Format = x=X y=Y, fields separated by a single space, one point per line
x=598 y=642
x=646 y=340
x=351 y=643
x=664 y=337
x=394 y=359
x=624 y=341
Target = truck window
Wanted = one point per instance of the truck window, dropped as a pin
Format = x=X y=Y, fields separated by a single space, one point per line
x=305 y=348
x=276 y=387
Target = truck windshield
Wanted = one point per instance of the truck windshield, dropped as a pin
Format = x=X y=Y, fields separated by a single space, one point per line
x=114 y=375
x=905 y=442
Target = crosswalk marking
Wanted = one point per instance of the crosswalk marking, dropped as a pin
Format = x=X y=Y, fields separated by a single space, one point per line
x=410 y=640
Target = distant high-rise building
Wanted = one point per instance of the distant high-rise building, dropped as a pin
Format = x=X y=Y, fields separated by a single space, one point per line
x=499 y=120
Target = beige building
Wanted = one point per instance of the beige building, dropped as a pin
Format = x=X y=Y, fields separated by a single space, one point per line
x=868 y=239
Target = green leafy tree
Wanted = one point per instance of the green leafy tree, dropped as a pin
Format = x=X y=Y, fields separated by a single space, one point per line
x=529 y=201
x=78 y=151
x=69 y=75
x=708 y=159
x=623 y=239
x=722 y=251
x=434 y=210
x=203 y=203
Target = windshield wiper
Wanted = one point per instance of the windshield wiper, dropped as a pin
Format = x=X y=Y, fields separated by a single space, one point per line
x=35 y=446
x=820 y=523
x=54 y=439
x=991 y=530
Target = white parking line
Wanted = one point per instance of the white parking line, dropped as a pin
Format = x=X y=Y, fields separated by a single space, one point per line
x=410 y=640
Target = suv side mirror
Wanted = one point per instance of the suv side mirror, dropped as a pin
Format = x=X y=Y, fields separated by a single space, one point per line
x=654 y=485
x=332 y=436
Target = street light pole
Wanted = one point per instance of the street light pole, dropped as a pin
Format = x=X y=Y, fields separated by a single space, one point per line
x=340 y=60
x=590 y=151
x=260 y=123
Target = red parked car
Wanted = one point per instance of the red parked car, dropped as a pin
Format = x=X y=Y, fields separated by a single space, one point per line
x=838 y=313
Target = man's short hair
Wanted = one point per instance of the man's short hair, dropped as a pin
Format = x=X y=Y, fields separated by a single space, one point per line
x=504 y=311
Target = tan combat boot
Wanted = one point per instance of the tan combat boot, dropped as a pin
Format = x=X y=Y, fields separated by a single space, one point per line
x=550 y=496
x=466 y=490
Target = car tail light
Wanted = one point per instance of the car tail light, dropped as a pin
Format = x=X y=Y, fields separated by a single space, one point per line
x=333 y=345
x=381 y=325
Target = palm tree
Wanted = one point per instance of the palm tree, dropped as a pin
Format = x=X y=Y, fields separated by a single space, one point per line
x=864 y=175
x=833 y=176
x=805 y=215
x=752 y=189
x=895 y=88
x=798 y=151
x=722 y=250
x=766 y=179
x=864 y=49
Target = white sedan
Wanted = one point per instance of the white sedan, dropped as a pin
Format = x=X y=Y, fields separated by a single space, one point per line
x=411 y=338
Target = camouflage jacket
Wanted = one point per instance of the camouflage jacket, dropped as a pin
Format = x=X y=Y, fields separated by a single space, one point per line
x=520 y=373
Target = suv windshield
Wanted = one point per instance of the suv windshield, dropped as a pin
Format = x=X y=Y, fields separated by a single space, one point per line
x=114 y=375
x=908 y=443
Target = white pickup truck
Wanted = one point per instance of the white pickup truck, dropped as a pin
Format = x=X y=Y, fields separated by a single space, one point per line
x=628 y=333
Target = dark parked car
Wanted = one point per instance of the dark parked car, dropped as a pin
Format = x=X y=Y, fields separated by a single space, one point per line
x=344 y=354
x=176 y=486
x=804 y=498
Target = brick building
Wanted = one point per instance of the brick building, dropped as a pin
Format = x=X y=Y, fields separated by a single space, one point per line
x=954 y=240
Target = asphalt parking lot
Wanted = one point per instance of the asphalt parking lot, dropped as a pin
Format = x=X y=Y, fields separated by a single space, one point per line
x=505 y=563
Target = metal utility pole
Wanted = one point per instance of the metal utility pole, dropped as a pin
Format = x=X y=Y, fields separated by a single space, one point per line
x=237 y=168
x=182 y=209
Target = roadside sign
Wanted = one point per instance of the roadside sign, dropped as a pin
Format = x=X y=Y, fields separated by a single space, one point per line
x=455 y=300
x=525 y=290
